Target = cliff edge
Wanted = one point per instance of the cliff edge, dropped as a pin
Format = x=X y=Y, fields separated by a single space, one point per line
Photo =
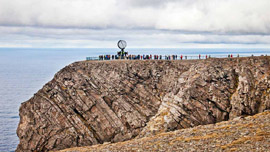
x=92 y=102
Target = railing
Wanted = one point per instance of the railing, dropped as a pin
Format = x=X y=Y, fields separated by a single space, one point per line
x=92 y=58
x=164 y=57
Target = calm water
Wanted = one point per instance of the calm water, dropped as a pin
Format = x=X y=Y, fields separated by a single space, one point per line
x=24 y=71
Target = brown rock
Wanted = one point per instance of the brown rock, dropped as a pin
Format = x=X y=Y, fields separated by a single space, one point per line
x=250 y=134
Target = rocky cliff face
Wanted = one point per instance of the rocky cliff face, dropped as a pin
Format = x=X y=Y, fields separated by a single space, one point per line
x=93 y=102
x=242 y=134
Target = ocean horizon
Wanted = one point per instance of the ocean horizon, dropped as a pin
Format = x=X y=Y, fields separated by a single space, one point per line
x=23 y=71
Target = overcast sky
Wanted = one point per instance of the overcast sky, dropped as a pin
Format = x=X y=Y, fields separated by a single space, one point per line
x=142 y=23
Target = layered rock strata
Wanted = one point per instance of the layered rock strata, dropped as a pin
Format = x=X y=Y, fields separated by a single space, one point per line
x=92 y=102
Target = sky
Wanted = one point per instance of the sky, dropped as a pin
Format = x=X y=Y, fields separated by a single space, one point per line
x=142 y=23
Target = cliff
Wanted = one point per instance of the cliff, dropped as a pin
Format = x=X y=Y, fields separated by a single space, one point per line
x=92 y=102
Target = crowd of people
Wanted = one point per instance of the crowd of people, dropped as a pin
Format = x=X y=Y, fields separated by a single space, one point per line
x=155 y=57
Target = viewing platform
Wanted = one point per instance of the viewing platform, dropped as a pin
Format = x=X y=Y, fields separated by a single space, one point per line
x=165 y=57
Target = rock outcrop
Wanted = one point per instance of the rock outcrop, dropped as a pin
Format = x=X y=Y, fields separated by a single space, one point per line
x=250 y=133
x=92 y=102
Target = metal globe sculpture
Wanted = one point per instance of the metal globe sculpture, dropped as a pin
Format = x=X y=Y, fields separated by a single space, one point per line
x=122 y=44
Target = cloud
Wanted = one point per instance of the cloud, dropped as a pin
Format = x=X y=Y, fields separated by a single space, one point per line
x=145 y=23
x=221 y=16
x=69 y=37
x=56 y=13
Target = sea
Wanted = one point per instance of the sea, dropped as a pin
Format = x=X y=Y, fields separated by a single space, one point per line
x=23 y=71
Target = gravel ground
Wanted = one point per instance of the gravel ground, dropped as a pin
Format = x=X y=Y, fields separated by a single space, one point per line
x=250 y=133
